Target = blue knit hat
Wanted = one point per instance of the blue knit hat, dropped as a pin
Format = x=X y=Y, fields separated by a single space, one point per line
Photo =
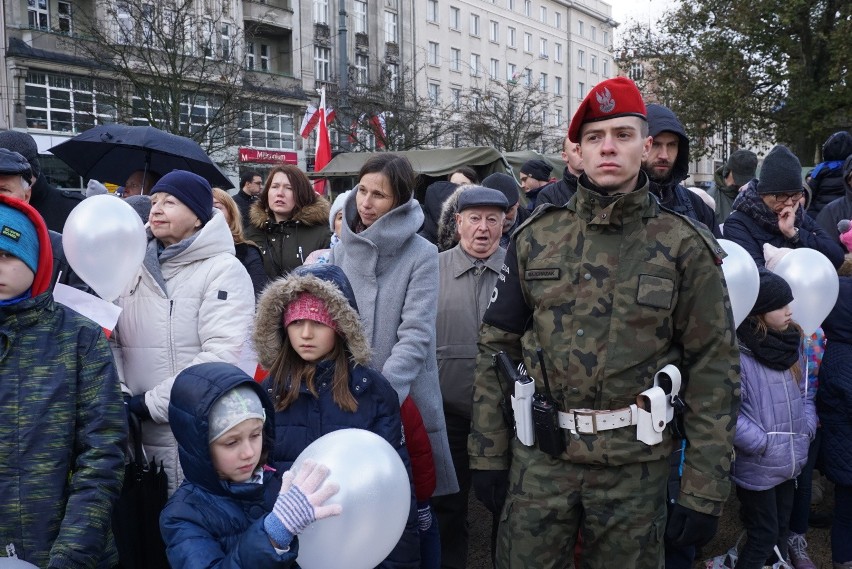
x=191 y=189
x=18 y=236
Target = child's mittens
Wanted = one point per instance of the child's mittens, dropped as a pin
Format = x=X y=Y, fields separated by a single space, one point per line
x=300 y=503
x=424 y=515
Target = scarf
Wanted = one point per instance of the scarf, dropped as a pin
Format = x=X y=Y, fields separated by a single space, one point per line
x=777 y=350
x=750 y=203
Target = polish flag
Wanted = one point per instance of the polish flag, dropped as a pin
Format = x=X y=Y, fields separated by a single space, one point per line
x=323 y=149
x=378 y=124
x=311 y=119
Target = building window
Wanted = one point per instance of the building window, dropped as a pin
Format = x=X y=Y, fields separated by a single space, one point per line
x=432 y=11
x=557 y=85
x=542 y=82
x=528 y=8
x=38 y=14
x=322 y=63
x=66 y=24
x=249 y=55
x=494 y=32
x=392 y=70
x=494 y=69
x=390 y=27
x=455 y=59
x=207 y=39
x=527 y=42
x=124 y=33
x=557 y=20
x=581 y=59
x=593 y=33
x=606 y=39
x=474 y=64
x=510 y=4
x=606 y=68
x=557 y=118
x=542 y=48
x=593 y=63
x=474 y=25
x=557 y=52
x=637 y=72
x=477 y=101
x=225 y=41
x=542 y=14
x=455 y=18
x=455 y=93
x=581 y=90
x=362 y=69
x=527 y=77
x=510 y=37
x=434 y=93
x=63 y=103
x=264 y=57
x=434 y=54
x=321 y=11
x=580 y=27
x=360 y=16
x=511 y=71
x=267 y=126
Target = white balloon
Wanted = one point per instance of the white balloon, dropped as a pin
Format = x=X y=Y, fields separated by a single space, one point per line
x=104 y=241
x=375 y=493
x=15 y=563
x=742 y=278
x=815 y=285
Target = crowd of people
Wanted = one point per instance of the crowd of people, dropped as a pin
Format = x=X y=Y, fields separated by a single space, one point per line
x=631 y=405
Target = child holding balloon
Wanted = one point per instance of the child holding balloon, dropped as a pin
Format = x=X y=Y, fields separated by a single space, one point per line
x=308 y=335
x=776 y=422
x=220 y=515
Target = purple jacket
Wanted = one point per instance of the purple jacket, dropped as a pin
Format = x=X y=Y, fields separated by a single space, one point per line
x=776 y=423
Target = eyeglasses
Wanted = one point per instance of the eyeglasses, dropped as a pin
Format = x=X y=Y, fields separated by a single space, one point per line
x=784 y=198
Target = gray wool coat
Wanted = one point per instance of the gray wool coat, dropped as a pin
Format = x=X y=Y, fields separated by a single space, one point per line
x=394 y=273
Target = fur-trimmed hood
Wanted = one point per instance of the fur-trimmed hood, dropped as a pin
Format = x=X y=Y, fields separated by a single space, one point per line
x=326 y=282
x=447 y=227
x=312 y=214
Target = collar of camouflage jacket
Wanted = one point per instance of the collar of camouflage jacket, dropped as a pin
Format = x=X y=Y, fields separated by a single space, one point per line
x=600 y=209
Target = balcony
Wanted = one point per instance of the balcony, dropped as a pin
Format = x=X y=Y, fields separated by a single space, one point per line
x=269 y=14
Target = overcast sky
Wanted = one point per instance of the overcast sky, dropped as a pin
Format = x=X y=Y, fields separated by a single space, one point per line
x=641 y=10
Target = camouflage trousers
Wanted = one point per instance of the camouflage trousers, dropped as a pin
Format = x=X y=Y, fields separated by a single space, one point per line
x=619 y=510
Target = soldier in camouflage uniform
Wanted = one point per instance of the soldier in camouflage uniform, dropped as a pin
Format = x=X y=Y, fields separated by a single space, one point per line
x=612 y=288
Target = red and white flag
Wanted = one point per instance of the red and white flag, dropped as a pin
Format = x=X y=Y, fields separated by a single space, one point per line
x=323 y=149
x=378 y=124
x=311 y=119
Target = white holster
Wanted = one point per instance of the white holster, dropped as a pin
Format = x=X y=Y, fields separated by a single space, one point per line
x=522 y=410
x=654 y=406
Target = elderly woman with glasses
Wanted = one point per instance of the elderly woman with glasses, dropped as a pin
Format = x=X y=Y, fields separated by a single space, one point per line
x=770 y=211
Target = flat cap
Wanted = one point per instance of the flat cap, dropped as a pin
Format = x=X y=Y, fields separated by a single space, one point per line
x=13 y=164
x=477 y=196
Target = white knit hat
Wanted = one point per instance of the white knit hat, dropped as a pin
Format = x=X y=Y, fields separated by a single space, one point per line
x=238 y=405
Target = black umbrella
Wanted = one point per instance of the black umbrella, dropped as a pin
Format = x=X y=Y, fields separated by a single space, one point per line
x=111 y=152
x=136 y=517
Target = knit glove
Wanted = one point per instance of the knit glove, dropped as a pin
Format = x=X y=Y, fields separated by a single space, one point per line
x=95 y=188
x=300 y=503
x=688 y=527
x=424 y=515
x=490 y=487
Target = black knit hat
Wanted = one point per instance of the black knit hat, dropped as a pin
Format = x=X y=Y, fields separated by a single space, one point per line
x=23 y=144
x=505 y=184
x=781 y=172
x=774 y=293
x=537 y=169
x=742 y=165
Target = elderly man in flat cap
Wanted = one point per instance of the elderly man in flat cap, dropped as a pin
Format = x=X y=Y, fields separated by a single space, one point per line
x=622 y=306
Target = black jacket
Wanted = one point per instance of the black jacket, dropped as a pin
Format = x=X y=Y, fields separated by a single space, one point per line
x=244 y=201
x=840 y=208
x=560 y=191
x=53 y=204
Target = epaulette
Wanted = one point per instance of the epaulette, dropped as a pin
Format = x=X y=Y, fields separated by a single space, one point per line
x=705 y=234
x=537 y=213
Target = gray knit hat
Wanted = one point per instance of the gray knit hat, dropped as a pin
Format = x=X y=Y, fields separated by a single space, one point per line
x=237 y=405
x=781 y=172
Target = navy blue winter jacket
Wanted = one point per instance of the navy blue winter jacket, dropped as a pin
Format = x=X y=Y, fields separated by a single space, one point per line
x=208 y=522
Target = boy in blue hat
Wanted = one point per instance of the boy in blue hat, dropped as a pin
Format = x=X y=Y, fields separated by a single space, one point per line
x=62 y=424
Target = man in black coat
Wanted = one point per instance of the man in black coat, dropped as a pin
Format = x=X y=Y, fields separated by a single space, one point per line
x=53 y=204
x=667 y=165
x=251 y=184
x=560 y=191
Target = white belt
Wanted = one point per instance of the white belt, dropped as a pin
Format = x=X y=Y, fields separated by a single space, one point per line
x=590 y=421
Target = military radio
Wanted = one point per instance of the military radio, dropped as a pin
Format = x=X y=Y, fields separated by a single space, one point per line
x=521 y=400
x=545 y=416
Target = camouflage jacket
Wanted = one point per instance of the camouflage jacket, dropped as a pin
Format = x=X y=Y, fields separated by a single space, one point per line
x=62 y=436
x=613 y=289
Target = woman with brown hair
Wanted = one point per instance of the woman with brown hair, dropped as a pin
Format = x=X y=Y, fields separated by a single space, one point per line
x=289 y=221
x=246 y=251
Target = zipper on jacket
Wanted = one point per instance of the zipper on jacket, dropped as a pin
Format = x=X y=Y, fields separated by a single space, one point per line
x=792 y=435
x=171 y=338
x=299 y=255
